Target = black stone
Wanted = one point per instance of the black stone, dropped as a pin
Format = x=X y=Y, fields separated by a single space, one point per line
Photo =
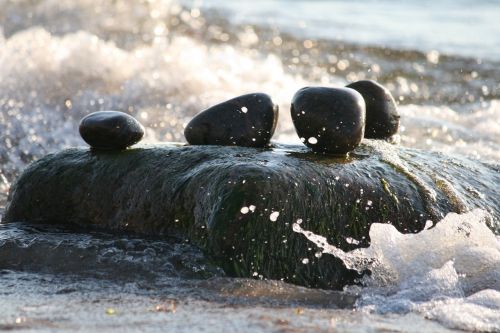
x=198 y=193
x=110 y=130
x=248 y=121
x=329 y=120
x=382 y=117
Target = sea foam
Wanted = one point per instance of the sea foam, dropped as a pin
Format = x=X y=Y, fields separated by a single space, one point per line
x=49 y=82
x=62 y=59
x=449 y=272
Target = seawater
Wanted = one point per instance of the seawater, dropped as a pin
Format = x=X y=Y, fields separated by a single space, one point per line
x=164 y=61
x=445 y=26
x=449 y=273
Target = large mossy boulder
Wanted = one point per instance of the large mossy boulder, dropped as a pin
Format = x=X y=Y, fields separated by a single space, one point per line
x=239 y=204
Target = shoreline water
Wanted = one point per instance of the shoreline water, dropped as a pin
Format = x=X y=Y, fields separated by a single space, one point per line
x=442 y=26
x=163 y=63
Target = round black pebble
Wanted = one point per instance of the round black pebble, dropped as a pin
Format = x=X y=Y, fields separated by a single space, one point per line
x=329 y=120
x=382 y=116
x=110 y=130
x=247 y=120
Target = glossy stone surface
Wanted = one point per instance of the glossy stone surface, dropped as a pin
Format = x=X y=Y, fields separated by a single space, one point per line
x=382 y=116
x=329 y=120
x=110 y=130
x=248 y=121
x=239 y=204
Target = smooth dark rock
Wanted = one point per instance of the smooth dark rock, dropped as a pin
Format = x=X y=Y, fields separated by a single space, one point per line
x=382 y=116
x=225 y=199
x=110 y=130
x=329 y=120
x=247 y=121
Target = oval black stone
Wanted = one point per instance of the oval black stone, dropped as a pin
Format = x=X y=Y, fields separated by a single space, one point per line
x=110 y=130
x=248 y=121
x=382 y=116
x=329 y=120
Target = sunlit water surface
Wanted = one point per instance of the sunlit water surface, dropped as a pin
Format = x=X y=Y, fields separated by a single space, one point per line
x=163 y=62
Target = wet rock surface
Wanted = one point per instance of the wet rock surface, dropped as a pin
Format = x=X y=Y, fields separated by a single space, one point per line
x=110 y=130
x=329 y=120
x=239 y=204
x=382 y=116
x=247 y=121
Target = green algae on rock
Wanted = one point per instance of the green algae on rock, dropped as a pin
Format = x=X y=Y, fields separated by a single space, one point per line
x=239 y=204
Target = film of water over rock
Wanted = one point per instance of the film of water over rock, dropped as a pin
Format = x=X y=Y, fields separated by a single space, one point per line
x=239 y=204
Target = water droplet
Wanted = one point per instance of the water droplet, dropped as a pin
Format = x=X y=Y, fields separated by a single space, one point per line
x=433 y=57
x=350 y=240
x=428 y=224
x=308 y=44
x=274 y=216
x=110 y=311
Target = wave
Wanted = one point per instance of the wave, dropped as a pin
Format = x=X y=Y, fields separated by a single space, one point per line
x=46 y=249
x=163 y=62
x=413 y=75
x=448 y=272
x=49 y=82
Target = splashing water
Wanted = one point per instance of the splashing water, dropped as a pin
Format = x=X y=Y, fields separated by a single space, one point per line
x=163 y=62
x=162 y=85
x=449 y=272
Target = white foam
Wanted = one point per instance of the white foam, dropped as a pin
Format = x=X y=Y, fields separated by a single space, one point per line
x=472 y=132
x=49 y=82
x=121 y=55
x=450 y=272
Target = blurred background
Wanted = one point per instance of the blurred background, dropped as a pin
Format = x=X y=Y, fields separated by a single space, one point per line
x=163 y=61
